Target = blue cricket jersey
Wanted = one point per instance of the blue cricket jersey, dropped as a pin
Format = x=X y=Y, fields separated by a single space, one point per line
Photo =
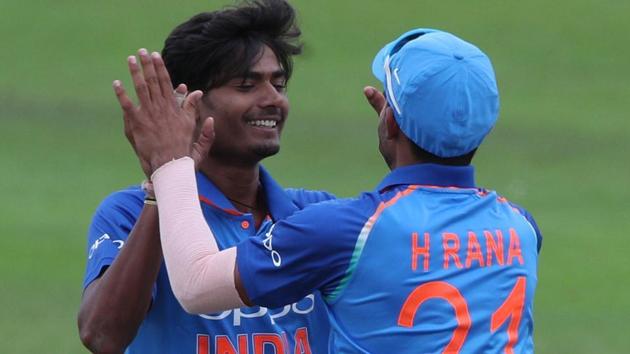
x=426 y=263
x=302 y=326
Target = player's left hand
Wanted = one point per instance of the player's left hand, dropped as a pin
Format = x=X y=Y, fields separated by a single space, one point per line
x=161 y=129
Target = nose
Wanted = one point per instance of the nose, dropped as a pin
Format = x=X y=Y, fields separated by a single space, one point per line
x=272 y=97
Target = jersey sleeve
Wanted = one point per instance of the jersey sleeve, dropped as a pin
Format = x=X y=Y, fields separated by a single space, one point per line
x=111 y=224
x=310 y=250
x=304 y=197
x=530 y=219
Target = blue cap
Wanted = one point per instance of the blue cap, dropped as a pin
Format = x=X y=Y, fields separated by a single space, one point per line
x=442 y=90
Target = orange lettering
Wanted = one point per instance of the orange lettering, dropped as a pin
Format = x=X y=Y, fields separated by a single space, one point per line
x=474 y=251
x=439 y=290
x=270 y=339
x=515 y=248
x=494 y=246
x=451 y=251
x=302 y=345
x=420 y=251
x=224 y=345
x=511 y=308
x=203 y=344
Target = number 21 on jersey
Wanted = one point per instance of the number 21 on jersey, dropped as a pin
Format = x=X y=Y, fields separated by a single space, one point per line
x=511 y=309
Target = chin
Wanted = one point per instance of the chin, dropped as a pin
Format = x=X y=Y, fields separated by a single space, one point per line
x=266 y=150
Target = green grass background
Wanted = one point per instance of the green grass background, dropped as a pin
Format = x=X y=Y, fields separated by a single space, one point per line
x=560 y=148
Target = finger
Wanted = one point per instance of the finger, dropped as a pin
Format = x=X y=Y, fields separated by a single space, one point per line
x=182 y=89
x=150 y=76
x=180 y=94
x=191 y=104
x=125 y=103
x=202 y=146
x=127 y=107
x=375 y=98
x=164 y=79
x=138 y=81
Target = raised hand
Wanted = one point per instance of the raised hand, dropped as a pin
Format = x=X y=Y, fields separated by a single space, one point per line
x=159 y=128
x=375 y=98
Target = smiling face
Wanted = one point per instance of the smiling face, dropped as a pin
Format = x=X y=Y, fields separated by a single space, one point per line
x=249 y=112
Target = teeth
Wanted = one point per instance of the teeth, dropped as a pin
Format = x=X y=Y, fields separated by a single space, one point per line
x=267 y=123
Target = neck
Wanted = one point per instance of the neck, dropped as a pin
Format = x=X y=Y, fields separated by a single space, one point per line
x=404 y=156
x=239 y=183
x=236 y=181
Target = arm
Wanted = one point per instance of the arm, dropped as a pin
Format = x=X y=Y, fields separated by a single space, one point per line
x=114 y=305
x=160 y=130
x=294 y=257
x=203 y=278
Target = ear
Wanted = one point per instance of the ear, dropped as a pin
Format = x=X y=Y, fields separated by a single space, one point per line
x=393 y=130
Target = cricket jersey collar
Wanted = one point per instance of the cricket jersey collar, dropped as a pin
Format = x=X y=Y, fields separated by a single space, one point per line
x=431 y=175
x=279 y=202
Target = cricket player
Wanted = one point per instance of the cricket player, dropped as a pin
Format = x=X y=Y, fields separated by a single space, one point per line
x=240 y=60
x=427 y=262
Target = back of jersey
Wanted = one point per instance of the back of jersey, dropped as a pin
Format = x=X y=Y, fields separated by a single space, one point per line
x=440 y=270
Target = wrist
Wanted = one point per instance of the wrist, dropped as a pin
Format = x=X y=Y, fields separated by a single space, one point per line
x=147 y=187
x=159 y=161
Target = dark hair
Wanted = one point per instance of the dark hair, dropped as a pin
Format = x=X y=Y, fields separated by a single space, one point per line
x=428 y=157
x=212 y=48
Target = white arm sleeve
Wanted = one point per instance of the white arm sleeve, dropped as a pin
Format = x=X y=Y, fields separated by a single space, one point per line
x=202 y=278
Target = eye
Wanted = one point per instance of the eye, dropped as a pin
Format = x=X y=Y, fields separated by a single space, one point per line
x=281 y=86
x=245 y=86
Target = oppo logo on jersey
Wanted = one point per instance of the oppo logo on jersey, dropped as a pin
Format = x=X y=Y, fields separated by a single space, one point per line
x=302 y=307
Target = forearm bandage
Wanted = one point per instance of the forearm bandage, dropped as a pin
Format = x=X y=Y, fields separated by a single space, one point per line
x=202 y=278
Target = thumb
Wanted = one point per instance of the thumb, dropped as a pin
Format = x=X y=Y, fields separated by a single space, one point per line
x=191 y=104
x=375 y=98
x=201 y=147
x=180 y=94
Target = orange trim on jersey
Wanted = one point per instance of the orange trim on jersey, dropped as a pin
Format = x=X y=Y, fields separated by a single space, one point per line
x=444 y=187
x=362 y=239
x=482 y=192
x=229 y=211
x=390 y=202
x=502 y=199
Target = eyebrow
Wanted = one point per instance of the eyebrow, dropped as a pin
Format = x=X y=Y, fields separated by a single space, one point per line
x=256 y=75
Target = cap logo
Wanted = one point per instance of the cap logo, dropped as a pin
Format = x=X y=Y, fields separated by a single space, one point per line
x=441 y=89
x=396 y=76
x=390 y=90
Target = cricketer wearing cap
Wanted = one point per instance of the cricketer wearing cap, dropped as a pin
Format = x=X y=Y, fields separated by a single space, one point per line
x=428 y=262
x=241 y=59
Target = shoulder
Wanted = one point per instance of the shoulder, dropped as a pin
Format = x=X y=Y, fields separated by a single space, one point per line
x=129 y=196
x=530 y=218
x=311 y=249
x=303 y=197
x=333 y=217
x=122 y=205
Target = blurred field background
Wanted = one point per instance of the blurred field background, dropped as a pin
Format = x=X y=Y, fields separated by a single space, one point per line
x=560 y=148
